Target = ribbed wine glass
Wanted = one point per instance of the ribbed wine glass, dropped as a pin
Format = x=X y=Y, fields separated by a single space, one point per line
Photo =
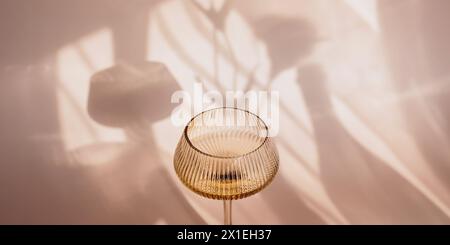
x=226 y=154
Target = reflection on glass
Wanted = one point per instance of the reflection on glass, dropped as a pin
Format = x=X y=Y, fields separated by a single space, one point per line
x=226 y=154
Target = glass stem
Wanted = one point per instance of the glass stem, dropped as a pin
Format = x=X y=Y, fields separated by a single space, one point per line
x=227 y=212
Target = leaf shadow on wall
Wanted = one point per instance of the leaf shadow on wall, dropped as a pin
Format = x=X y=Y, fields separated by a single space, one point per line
x=362 y=186
x=418 y=52
x=288 y=40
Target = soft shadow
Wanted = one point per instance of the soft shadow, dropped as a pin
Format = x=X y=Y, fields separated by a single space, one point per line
x=287 y=204
x=417 y=50
x=37 y=184
x=32 y=30
x=130 y=96
x=288 y=40
x=362 y=187
x=40 y=182
x=135 y=183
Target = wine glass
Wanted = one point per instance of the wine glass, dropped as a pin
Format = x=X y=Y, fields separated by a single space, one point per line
x=226 y=154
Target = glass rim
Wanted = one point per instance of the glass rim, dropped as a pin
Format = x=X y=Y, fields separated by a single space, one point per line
x=185 y=133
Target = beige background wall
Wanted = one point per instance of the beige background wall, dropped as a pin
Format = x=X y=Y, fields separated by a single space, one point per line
x=364 y=113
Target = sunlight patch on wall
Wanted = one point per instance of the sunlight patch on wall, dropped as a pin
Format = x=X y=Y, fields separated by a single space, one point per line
x=379 y=148
x=97 y=49
x=308 y=187
x=76 y=62
x=367 y=10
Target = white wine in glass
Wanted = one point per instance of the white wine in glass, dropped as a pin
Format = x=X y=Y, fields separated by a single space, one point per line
x=226 y=154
